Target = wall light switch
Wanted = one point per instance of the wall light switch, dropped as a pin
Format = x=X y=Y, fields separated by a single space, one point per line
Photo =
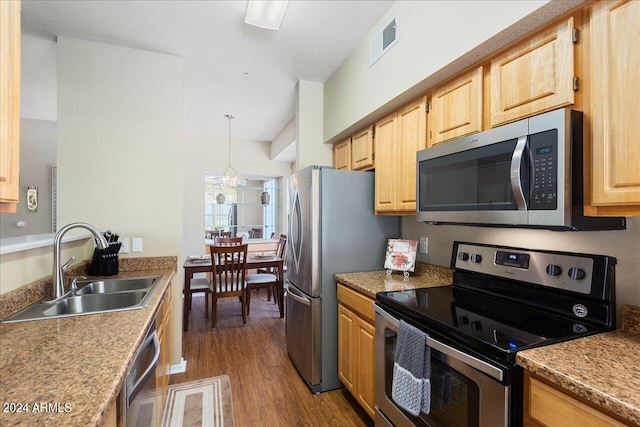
x=136 y=243
x=424 y=245
x=124 y=249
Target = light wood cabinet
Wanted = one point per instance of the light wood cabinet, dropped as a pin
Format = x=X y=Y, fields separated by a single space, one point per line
x=456 y=108
x=386 y=169
x=342 y=155
x=356 y=346
x=613 y=61
x=547 y=405
x=399 y=137
x=9 y=105
x=164 y=322
x=362 y=155
x=534 y=76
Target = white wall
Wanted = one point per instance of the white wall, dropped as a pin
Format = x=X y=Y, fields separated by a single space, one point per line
x=206 y=155
x=37 y=155
x=284 y=139
x=310 y=149
x=436 y=39
x=120 y=147
x=622 y=244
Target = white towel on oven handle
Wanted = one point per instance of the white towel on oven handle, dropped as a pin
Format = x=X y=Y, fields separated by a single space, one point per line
x=411 y=385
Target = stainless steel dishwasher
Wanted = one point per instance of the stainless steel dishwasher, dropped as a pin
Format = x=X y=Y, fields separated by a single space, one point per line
x=139 y=396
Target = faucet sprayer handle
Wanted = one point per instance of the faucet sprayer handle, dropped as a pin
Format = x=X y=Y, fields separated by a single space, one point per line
x=67 y=264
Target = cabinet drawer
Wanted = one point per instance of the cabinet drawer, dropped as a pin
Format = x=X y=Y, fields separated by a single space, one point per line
x=361 y=304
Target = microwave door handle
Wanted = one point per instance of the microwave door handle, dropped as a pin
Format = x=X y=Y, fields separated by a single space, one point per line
x=516 y=182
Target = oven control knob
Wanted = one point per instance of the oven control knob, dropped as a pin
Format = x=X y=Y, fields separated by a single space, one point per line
x=463 y=320
x=476 y=326
x=463 y=256
x=477 y=258
x=554 y=270
x=576 y=273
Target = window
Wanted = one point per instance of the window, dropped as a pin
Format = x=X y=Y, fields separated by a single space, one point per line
x=243 y=211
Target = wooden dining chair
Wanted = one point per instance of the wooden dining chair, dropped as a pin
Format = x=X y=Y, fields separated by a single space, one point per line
x=201 y=284
x=227 y=241
x=281 y=251
x=267 y=278
x=228 y=272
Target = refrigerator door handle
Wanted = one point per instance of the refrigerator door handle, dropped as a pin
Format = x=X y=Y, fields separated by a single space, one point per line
x=296 y=297
x=296 y=228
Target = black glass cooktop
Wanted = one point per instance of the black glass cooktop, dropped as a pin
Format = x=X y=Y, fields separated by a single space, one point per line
x=492 y=326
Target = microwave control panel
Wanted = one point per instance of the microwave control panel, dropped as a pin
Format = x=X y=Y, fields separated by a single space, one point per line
x=543 y=147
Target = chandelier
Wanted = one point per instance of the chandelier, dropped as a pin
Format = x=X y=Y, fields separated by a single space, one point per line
x=230 y=178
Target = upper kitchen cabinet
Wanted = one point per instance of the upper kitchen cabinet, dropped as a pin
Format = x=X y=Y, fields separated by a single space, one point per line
x=456 y=108
x=613 y=63
x=362 y=149
x=9 y=105
x=399 y=137
x=534 y=76
x=342 y=155
x=386 y=169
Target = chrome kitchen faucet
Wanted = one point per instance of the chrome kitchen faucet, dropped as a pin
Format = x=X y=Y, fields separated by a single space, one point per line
x=57 y=287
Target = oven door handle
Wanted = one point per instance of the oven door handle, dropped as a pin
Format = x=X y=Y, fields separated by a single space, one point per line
x=516 y=181
x=478 y=364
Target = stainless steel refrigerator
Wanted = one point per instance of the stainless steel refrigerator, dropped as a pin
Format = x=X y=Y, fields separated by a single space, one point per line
x=332 y=229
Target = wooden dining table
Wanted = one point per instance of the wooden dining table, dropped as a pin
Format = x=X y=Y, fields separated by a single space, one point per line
x=254 y=261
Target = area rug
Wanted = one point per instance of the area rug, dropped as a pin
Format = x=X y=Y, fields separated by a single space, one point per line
x=204 y=403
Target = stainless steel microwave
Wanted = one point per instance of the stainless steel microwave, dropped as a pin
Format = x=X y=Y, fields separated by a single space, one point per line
x=527 y=173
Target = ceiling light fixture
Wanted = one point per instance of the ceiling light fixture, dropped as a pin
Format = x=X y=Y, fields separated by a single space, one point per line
x=230 y=177
x=266 y=14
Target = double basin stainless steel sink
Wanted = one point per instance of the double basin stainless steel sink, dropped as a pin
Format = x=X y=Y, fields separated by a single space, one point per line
x=91 y=297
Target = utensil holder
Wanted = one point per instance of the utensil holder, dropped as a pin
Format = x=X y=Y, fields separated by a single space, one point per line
x=105 y=261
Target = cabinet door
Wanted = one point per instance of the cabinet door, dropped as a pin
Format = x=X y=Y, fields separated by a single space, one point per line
x=386 y=166
x=456 y=108
x=615 y=90
x=548 y=406
x=346 y=343
x=412 y=129
x=362 y=149
x=534 y=76
x=9 y=105
x=342 y=155
x=365 y=354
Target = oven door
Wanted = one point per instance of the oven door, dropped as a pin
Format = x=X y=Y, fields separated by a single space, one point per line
x=465 y=391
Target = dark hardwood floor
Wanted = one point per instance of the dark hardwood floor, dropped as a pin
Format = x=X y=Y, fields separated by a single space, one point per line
x=266 y=388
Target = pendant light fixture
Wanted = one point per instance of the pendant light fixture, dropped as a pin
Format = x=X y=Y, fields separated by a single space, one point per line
x=230 y=178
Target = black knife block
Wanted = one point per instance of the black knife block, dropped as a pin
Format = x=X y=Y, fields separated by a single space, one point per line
x=105 y=261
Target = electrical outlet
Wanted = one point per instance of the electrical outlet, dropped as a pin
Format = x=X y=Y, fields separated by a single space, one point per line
x=136 y=244
x=124 y=249
x=424 y=245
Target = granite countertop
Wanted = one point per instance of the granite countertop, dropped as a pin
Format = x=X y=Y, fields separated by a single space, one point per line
x=604 y=368
x=75 y=365
x=371 y=282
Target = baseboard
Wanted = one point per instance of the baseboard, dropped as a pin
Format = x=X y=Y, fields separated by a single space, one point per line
x=180 y=367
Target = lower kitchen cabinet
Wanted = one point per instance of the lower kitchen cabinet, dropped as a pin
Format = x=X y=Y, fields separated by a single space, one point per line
x=547 y=405
x=164 y=320
x=356 y=346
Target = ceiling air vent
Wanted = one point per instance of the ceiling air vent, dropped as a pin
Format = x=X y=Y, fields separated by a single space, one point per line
x=384 y=40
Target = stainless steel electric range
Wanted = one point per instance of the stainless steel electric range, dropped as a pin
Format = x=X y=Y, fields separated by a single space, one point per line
x=502 y=300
